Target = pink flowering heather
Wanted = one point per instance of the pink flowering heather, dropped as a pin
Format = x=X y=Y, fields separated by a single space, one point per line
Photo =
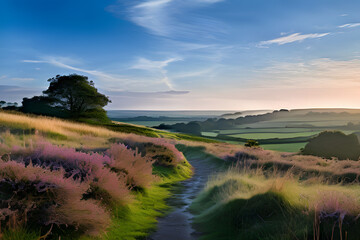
x=38 y=196
x=85 y=167
x=161 y=150
x=178 y=156
x=137 y=169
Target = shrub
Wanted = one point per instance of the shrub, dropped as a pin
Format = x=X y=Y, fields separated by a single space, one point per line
x=137 y=169
x=251 y=143
x=240 y=157
x=36 y=196
x=330 y=144
x=161 y=151
x=84 y=167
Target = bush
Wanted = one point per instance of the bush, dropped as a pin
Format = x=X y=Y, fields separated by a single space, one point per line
x=130 y=163
x=84 y=167
x=162 y=152
x=35 y=196
x=251 y=143
x=330 y=144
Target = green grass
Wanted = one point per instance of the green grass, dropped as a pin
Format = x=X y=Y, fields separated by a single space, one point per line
x=286 y=147
x=137 y=219
x=133 y=221
x=273 y=135
x=241 y=129
x=209 y=134
x=151 y=132
x=19 y=234
x=237 y=205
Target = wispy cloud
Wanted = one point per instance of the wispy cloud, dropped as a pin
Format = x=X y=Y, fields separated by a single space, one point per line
x=296 y=37
x=115 y=81
x=62 y=62
x=172 y=18
x=195 y=73
x=349 y=25
x=315 y=73
x=157 y=66
x=146 y=64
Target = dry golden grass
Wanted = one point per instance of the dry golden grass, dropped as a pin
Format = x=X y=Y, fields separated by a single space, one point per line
x=53 y=125
x=242 y=184
x=57 y=131
x=284 y=161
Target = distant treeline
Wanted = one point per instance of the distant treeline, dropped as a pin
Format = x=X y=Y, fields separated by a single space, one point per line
x=150 y=119
x=196 y=127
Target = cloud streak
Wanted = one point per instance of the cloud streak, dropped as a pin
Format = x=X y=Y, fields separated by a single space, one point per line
x=296 y=37
x=63 y=63
x=349 y=25
x=166 y=18
x=157 y=66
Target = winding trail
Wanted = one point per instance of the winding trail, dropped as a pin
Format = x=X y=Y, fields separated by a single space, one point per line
x=177 y=225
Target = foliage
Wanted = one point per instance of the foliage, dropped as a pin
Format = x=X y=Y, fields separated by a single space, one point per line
x=242 y=204
x=137 y=169
x=330 y=144
x=251 y=143
x=76 y=94
x=41 y=105
x=158 y=149
x=77 y=154
x=8 y=105
x=91 y=168
x=72 y=96
x=36 y=196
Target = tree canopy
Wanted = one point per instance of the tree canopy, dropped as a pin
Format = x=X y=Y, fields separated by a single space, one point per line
x=72 y=96
x=330 y=144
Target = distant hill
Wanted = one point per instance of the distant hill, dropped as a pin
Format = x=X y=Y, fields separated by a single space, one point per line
x=244 y=113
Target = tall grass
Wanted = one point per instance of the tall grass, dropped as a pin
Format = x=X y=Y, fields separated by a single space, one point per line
x=45 y=184
x=52 y=125
x=38 y=197
x=253 y=205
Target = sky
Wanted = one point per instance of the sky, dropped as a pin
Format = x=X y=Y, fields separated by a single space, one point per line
x=186 y=54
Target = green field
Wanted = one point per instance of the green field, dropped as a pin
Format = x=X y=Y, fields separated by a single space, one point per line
x=261 y=130
x=273 y=135
x=209 y=134
x=290 y=130
x=286 y=147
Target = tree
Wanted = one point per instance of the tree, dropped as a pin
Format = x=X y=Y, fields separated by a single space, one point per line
x=330 y=144
x=76 y=95
x=251 y=143
x=9 y=105
x=42 y=105
x=2 y=103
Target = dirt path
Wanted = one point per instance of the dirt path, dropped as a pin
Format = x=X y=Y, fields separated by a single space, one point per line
x=177 y=224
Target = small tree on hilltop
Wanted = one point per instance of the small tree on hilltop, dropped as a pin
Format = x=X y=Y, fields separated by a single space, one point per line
x=76 y=95
x=251 y=143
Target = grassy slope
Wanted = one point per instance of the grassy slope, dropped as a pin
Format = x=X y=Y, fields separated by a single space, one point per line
x=133 y=221
x=248 y=206
x=137 y=219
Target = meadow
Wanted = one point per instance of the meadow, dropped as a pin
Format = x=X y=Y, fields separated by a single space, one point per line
x=273 y=195
x=288 y=133
x=61 y=179
x=69 y=180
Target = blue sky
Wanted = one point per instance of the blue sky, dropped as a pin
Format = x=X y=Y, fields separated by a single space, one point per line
x=187 y=54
